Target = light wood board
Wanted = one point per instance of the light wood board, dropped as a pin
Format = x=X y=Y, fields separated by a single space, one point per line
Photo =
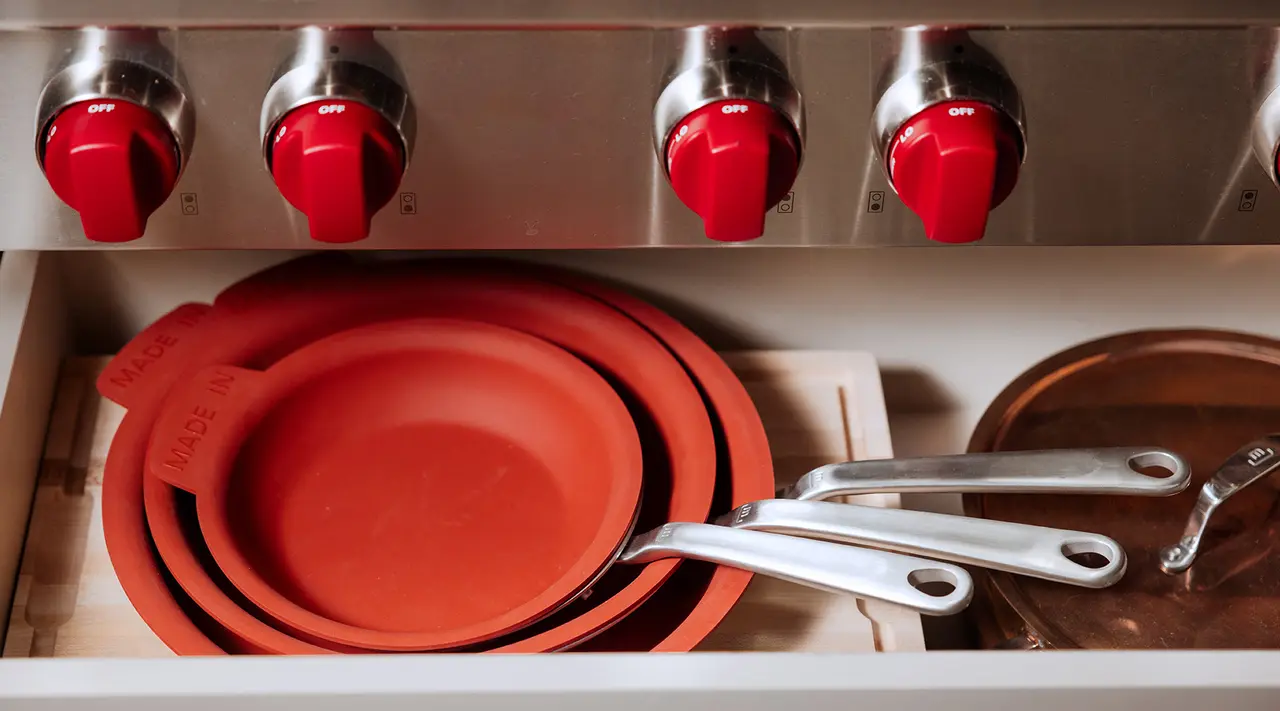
x=817 y=407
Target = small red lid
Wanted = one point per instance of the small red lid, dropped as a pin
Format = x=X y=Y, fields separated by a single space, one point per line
x=338 y=162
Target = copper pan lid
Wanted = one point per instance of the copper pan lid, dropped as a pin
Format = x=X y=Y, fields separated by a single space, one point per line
x=1202 y=394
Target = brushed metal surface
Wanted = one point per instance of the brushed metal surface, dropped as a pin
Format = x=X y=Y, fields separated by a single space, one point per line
x=1104 y=470
x=347 y=65
x=714 y=64
x=636 y=13
x=933 y=66
x=544 y=139
x=1253 y=462
x=862 y=572
x=1035 y=551
x=122 y=65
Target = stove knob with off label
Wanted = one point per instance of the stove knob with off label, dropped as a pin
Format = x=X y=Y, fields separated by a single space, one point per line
x=337 y=162
x=337 y=129
x=952 y=164
x=114 y=130
x=113 y=162
x=950 y=129
x=728 y=129
x=730 y=162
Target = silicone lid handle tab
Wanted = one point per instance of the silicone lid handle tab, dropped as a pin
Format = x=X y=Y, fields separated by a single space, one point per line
x=200 y=418
x=144 y=367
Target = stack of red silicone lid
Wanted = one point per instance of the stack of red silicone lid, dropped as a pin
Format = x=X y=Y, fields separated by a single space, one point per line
x=434 y=455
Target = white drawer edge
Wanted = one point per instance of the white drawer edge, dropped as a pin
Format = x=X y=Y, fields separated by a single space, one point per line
x=32 y=341
x=1050 y=681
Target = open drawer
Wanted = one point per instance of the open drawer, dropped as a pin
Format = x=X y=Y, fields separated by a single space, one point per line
x=779 y=648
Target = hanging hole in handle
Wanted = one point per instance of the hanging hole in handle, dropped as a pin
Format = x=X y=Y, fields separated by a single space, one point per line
x=1157 y=465
x=1089 y=554
x=934 y=582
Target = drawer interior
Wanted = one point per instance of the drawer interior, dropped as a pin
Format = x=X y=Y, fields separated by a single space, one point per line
x=55 y=307
x=817 y=407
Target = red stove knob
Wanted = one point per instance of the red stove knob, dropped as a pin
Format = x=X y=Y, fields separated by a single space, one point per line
x=113 y=162
x=730 y=162
x=338 y=162
x=953 y=163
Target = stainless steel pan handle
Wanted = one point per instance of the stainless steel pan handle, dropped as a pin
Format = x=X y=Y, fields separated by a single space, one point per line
x=1035 y=551
x=862 y=572
x=1112 y=470
x=1252 y=462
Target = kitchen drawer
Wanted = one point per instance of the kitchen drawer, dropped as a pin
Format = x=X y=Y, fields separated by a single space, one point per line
x=44 y=318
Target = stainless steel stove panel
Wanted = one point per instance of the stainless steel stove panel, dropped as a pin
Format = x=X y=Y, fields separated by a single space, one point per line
x=615 y=14
x=542 y=139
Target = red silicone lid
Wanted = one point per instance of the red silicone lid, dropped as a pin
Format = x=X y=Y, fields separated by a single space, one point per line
x=295 y=317
x=147 y=584
x=730 y=162
x=952 y=164
x=112 y=161
x=365 y=488
x=698 y=596
x=164 y=345
x=338 y=162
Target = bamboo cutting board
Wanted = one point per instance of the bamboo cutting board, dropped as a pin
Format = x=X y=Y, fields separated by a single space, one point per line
x=817 y=407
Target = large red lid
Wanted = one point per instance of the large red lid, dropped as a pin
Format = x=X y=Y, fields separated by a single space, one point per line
x=113 y=162
x=730 y=162
x=338 y=162
x=953 y=163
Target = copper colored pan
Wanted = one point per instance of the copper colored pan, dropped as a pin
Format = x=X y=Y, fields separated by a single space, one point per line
x=1201 y=393
x=271 y=344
